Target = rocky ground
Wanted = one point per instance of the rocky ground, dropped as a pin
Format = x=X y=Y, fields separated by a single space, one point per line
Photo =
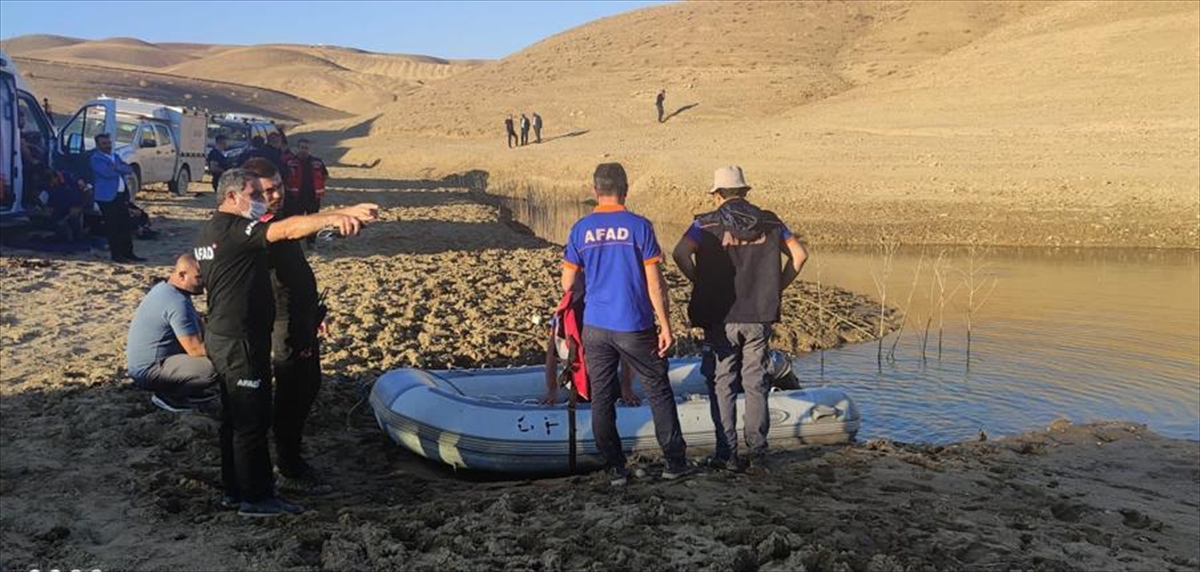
x=93 y=476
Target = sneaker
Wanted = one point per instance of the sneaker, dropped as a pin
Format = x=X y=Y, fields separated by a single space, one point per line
x=268 y=507
x=230 y=502
x=307 y=483
x=171 y=404
x=715 y=462
x=617 y=476
x=676 y=472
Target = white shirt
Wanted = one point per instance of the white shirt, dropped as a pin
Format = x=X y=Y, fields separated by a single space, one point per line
x=120 y=180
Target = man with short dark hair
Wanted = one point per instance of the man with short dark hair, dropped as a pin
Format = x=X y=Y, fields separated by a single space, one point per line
x=217 y=161
x=110 y=192
x=165 y=348
x=537 y=127
x=232 y=249
x=524 y=130
x=618 y=254
x=738 y=281
x=296 y=352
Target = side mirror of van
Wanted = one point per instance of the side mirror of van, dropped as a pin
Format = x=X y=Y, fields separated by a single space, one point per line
x=149 y=144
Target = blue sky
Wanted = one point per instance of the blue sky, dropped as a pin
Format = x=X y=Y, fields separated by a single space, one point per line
x=443 y=29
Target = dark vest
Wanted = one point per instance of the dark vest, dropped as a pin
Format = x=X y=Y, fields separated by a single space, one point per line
x=738 y=270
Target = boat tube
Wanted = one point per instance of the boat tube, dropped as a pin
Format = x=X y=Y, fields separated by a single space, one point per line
x=489 y=419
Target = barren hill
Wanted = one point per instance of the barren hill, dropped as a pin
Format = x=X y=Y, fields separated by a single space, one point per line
x=345 y=79
x=1016 y=123
x=68 y=85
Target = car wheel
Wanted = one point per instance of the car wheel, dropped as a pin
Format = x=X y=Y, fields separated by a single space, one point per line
x=180 y=185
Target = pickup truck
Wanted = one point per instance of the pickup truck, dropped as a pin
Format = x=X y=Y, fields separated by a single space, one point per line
x=163 y=144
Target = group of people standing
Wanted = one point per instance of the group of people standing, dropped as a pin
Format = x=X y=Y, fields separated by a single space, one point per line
x=735 y=258
x=525 y=123
x=303 y=174
x=257 y=355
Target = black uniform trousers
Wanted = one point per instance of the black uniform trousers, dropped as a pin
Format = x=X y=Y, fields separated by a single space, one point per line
x=297 y=365
x=244 y=367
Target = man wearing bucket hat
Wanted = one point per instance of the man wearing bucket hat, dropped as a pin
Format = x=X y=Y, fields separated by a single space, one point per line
x=732 y=256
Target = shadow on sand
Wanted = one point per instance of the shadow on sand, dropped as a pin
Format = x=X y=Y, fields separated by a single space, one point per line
x=680 y=110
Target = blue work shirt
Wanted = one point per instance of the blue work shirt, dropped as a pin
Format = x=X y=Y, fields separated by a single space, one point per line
x=613 y=247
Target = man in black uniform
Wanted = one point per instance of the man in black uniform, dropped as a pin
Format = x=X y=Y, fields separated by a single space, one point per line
x=217 y=161
x=296 y=356
x=232 y=251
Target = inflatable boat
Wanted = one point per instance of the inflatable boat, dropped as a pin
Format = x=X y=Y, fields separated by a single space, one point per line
x=489 y=419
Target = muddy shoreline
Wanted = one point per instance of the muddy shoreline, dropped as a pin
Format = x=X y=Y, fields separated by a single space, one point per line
x=93 y=476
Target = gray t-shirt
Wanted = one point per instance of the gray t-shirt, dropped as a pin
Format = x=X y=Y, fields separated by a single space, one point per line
x=165 y=313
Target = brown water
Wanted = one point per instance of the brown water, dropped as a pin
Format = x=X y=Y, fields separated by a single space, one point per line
x=1082 y=334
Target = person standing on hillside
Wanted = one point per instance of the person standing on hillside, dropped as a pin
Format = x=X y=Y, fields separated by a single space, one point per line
x=306 y=180
x=658 y=103
x=738 y=280
x=512 y=132
x=232 y=249
x=537 y=127
x=524 y=130
x=109 y=173
x=624 y=292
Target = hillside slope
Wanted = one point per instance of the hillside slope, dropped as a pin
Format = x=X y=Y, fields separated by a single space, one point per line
x=1014 y=123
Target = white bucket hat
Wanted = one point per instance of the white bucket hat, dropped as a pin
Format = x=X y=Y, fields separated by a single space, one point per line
x=730 y=177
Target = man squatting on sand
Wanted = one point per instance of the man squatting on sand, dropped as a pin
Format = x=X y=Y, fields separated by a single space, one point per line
x=618 y=254
x=165 y=348
x=737 y=284
x=232 y=249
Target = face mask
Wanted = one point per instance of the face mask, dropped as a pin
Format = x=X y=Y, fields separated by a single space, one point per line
x=256 y=211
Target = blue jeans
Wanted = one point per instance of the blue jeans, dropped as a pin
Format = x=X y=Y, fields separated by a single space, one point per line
x=603 y=351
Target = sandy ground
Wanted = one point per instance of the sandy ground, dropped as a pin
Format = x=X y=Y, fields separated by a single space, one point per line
x=93 y=476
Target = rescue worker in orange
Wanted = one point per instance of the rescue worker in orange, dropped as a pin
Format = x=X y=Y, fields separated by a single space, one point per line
x=305 y=181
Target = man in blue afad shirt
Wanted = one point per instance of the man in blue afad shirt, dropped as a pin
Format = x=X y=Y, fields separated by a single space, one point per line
x=618 y=254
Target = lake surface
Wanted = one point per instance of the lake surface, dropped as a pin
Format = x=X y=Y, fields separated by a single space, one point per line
x=1081 y=334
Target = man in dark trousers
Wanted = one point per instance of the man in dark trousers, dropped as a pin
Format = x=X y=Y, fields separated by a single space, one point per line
x=305 y=181
x=738 y=278
x=658 y=103
x=295 y=351
x=524 y=130
x=537 y=127
x=512 y=132
x=109 y=173
x=232 y=249
x=618 y=254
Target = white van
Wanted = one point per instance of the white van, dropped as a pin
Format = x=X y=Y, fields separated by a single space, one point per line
x=26 y=134
x=163 y=144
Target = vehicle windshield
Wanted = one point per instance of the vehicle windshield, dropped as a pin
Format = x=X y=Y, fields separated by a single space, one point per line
x=236 y=132
x=126 y=130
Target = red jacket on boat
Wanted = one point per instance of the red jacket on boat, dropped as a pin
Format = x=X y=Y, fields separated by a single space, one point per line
x=568 y=338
